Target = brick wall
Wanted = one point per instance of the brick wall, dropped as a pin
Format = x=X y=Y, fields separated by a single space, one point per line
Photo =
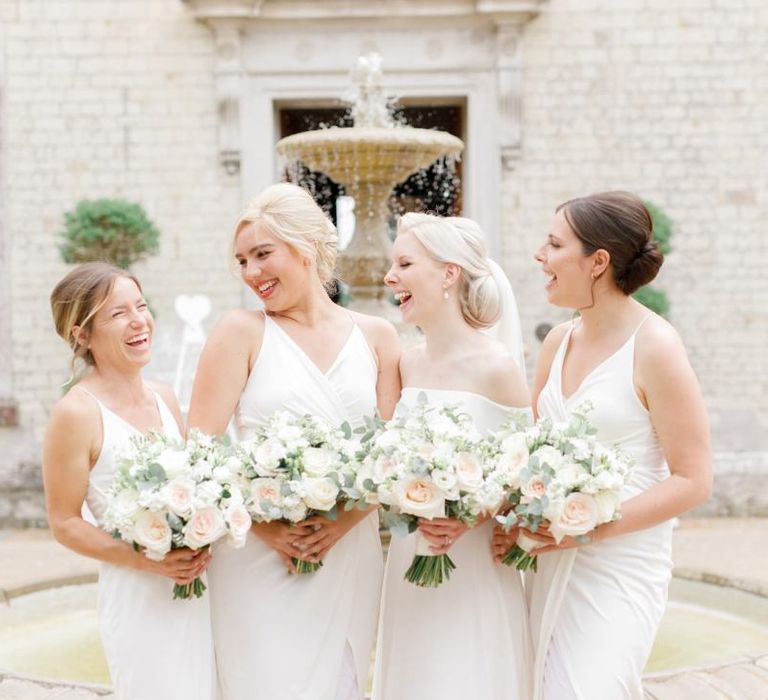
x=670 y=100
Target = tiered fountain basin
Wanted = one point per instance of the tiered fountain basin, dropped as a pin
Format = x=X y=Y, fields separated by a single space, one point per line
x=362 y=155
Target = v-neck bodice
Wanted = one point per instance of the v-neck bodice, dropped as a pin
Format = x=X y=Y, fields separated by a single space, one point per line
x=617 y=412
x=116 y=436
x=284 y=377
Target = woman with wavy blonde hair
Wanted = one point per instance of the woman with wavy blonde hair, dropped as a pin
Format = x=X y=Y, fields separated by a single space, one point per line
x=469 y=637
x=280 y=635
x=156 y=647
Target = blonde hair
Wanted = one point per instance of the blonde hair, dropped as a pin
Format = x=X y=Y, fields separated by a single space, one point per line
x=77 y=298
x=459 y=241
x=290 y=214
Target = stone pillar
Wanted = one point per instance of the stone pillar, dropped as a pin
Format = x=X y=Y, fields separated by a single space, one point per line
x=509 y=76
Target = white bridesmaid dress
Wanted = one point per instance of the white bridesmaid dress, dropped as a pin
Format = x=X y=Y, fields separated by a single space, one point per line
x=156 y=647
x=595 y=609
x=469 y=637
x=309 y=636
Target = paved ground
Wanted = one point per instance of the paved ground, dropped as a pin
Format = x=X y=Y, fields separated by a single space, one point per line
x=728 y=552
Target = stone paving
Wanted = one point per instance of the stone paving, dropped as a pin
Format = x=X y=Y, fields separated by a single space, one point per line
x=729 y=552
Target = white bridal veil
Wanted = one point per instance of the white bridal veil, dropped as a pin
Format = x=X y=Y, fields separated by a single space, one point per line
x=507 y=329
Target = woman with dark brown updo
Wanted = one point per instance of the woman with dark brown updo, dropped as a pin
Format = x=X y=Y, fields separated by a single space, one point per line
x=595 y=607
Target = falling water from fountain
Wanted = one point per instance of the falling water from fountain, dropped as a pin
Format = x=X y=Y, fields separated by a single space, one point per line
x=369 y=159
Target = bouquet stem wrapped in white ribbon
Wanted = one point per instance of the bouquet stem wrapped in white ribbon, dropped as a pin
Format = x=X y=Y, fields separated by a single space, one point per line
x=168 y=494
x=429 y=462
x=563 y=478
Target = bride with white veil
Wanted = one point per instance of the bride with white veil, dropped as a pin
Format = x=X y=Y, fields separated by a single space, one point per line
x=469 y=637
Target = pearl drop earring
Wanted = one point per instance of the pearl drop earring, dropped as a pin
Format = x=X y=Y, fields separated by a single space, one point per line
x=445 y=294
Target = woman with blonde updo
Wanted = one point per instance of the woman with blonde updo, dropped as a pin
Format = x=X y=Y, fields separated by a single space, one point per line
x=157 y=648
x=281 y=635
x=469 y=637
x=596 y=605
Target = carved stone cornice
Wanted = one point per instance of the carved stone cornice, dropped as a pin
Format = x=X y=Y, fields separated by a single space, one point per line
x=232 y=20
x=498 y=10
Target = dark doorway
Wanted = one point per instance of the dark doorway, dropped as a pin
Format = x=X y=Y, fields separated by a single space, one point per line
x=436 y=190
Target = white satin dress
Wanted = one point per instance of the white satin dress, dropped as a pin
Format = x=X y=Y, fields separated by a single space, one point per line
x=300 y=637
x=156 y=647
x=469 y=637
x=595 y=609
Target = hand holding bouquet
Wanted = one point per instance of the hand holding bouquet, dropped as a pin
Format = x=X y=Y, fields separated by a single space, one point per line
x=295 y=467
x=562 y=477
x=428 y=463
x=167 y=495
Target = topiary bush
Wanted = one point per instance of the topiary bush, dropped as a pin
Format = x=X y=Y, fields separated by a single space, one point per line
x=113 y=230
x=656 y=299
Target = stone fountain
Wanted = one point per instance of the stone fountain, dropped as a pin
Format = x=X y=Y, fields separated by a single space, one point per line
x=369 y=159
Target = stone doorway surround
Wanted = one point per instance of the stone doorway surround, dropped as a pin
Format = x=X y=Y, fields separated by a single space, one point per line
x=278 y=52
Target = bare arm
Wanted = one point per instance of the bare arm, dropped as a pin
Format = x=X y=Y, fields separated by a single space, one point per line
x=382 y=337
x=72 y=439
x=223 y=370
x=671 y=391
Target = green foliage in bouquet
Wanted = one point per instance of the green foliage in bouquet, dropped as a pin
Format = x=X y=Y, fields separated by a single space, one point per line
x=656 y=299
x=112 y=230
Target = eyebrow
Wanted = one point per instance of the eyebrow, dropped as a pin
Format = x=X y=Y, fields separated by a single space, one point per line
x=256 y=249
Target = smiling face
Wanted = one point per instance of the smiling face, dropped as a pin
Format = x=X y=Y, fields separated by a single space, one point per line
x=120 y=333
x=416 y=279
x=276 y=272
x=568 y=268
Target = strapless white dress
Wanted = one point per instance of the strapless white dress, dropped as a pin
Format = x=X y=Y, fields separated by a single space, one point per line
x=300 y=637
x=156 y=647
x=468 y=638
x=595 y=609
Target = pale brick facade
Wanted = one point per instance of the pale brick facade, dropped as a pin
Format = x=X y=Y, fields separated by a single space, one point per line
x=119 y=98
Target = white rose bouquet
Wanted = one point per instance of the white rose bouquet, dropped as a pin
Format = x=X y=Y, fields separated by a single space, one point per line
x=428 y=463
x=295 y=467
x=167 y=494
x=559 y=476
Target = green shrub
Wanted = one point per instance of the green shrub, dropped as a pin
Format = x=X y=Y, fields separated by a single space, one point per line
x=656 y=299
x=112 y=230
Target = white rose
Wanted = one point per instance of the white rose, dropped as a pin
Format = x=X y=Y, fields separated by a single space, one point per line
x=179 y=495
x=386 y=496
x=202 y=469
x=265 y=497
x=318 y=461
x=578 y=516
x=607 y=505
x=320 y=493
x=239 y=522
x=174 y=462
x=490 y=497
x=204 y=527
x=571 y=476
x=123 y=507
x=582 y=449
x=426 y=451
x=534 y=487
x=469 y=472
x=444 y=480
x=442 y=425
x=208 y=493
x=389 y=438
x=267 y=456
x=152 y=531
x=295 y=513
x=384 y=467
x=420 y=497
x=607 y=480
x=549 y=455
x=291 y=435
